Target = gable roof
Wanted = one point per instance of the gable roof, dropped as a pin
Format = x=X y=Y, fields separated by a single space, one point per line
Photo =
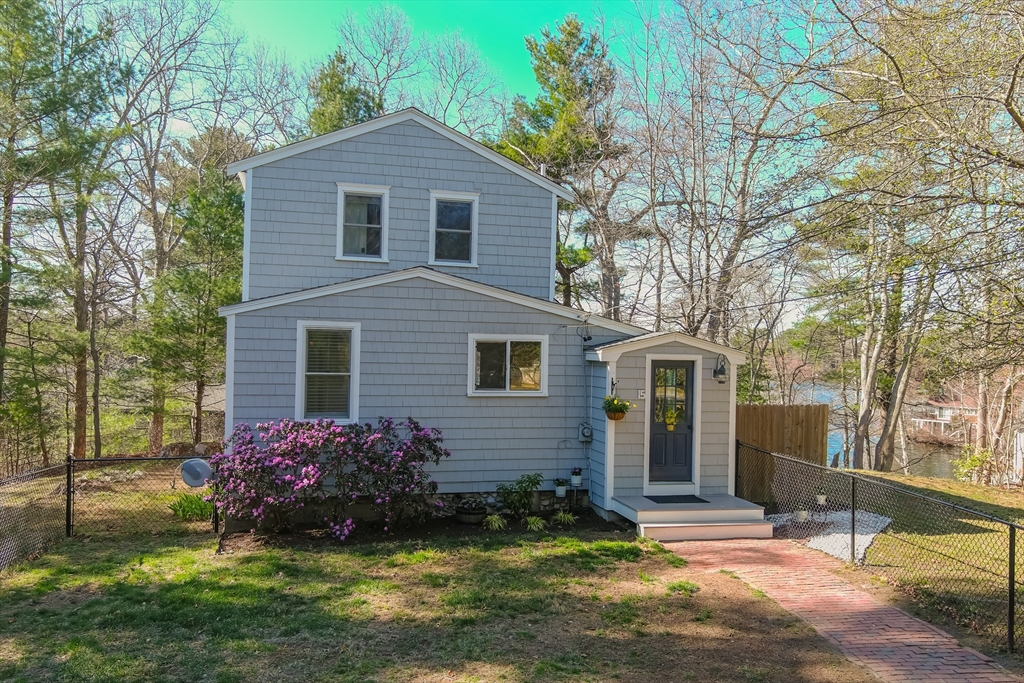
x=433 y=276
x=610 y=351
x=410 y=114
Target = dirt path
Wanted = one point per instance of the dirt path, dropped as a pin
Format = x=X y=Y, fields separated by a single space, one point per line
x=889 y=642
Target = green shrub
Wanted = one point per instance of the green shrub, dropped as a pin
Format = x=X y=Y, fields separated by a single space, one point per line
x=535 y=524
x=495 y=523
x=517 y=497
x=564 y=518
x=190 y=507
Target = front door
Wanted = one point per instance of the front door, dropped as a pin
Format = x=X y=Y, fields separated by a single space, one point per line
x=671 y=438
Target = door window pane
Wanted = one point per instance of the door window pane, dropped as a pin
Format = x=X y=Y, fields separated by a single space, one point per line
x=362 y=225
x=524 y=366
x=490 y=365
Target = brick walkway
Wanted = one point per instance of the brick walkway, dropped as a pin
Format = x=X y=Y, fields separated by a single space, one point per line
x=886 y=640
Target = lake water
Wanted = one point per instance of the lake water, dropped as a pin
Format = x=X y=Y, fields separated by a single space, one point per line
x=924 y=459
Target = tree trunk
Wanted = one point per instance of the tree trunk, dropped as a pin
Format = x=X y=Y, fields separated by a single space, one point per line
x=6 y=261
x=81 y=309
x=197 y=425
x=40 y=421
x=981 y=438
x=94 y=352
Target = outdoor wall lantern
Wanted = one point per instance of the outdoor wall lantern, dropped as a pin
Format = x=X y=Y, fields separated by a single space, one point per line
x=721 y=371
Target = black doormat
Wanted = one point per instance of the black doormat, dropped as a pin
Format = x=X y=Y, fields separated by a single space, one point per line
x=676 y=499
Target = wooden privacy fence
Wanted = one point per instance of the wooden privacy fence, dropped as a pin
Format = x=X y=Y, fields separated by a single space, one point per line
x=797 y=431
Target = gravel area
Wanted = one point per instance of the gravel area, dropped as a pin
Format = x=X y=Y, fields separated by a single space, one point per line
x=829 y=532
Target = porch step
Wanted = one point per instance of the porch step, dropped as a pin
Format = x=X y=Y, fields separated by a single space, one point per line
x=706 y=531
x=718 y=508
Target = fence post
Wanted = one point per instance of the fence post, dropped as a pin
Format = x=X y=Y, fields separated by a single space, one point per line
x=69 y=489
x=1010 y=627
x=853 y=520
x=736 y=471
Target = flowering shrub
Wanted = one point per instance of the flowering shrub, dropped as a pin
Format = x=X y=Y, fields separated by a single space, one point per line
x=300 y=463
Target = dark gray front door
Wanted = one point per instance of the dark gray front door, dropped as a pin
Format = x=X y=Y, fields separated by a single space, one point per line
x=671 y=447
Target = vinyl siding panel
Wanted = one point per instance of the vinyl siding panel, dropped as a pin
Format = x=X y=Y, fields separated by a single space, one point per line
x=598 y=383
x=414 y=353
x=293 y=230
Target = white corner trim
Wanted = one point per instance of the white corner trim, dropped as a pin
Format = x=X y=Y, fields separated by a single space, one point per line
x=247 y=179
x=732 y=433
x=229 y=379
x=384 y=192
x=474 y=226
x=409 y=114
x=554 y=241
x=669 y=488
x=300 y=366
x=471 y=389
x=440 y=278
x=609 y=460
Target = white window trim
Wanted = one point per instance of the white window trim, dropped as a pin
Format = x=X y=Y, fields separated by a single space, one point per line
x=473 y=197
x=300 y=367
x=544 y=367
x=384 y=191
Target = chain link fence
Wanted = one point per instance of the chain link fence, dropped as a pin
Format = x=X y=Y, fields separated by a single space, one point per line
x=948 y=558
x=99 y=497
x=32 y=513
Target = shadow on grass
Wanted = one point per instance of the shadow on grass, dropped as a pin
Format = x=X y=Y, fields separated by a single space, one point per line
x=504 y=607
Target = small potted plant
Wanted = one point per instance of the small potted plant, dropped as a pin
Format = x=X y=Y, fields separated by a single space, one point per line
x=616 y=408
x=560 y=484
x=470 y=511
x=577 y=476
x=821 y=496
x=670 y=419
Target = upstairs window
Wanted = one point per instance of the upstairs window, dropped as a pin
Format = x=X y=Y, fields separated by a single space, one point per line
x=327 y=370
x=508 y=365
x=453 y=228
x=362 y=222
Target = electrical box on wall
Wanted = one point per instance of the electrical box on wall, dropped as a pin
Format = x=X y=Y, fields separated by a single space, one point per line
x=586 y=432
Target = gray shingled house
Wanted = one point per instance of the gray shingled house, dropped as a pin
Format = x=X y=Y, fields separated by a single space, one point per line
x=399 y=268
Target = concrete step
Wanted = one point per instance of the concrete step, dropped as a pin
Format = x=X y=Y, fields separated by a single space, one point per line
x=706 y=531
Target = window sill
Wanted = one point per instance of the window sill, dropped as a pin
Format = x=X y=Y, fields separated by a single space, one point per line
x=507 y=394
x=452 y=264
x=362 y=259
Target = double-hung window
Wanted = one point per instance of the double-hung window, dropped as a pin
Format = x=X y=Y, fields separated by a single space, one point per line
x=327 y=371
x=453 y=228
x=508 y=365
x=362 y=222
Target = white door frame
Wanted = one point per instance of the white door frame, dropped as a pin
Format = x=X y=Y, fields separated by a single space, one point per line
x=674 y=488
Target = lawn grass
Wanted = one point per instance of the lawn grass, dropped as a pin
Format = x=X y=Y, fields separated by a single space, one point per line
x=584 y=606
x=999 y=502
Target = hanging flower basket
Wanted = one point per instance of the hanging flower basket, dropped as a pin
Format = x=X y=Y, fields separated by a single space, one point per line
x=616 y=408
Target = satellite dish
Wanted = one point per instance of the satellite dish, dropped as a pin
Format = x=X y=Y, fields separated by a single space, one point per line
x=195 y=472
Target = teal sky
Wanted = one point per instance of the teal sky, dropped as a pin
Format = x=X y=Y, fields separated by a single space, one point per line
x=307 y=29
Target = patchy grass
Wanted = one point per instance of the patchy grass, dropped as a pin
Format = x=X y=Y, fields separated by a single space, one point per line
x=587 y=606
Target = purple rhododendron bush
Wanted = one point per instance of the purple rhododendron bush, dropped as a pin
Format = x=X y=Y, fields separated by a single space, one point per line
x=295 y=464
